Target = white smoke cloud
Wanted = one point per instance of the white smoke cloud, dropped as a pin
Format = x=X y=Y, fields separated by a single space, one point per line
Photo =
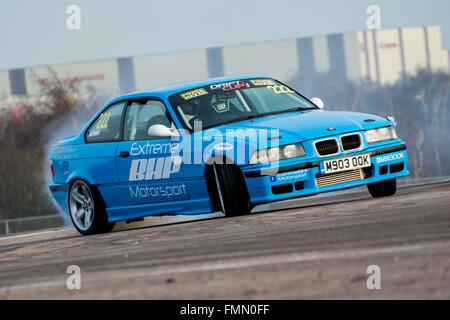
x=69 y=125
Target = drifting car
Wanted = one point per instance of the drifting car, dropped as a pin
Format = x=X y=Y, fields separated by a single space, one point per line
x=221 y=144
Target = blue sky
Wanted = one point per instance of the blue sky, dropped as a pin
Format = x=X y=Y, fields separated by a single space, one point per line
x=34 y=33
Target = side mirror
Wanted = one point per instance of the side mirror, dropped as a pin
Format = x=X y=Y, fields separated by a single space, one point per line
x=160 y=130
x=318 y=102
x=392 y=120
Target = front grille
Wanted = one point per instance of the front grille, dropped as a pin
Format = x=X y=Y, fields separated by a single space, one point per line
x=326 y=147
x=351 y=142
x=340 y=177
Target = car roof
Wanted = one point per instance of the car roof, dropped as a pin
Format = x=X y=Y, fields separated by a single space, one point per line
x=182 y=86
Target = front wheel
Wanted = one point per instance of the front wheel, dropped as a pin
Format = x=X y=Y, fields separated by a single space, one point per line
x=382 y=188
x=87 y=209
x=231 y=189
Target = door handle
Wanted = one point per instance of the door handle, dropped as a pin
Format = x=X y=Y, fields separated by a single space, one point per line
x=124 y=154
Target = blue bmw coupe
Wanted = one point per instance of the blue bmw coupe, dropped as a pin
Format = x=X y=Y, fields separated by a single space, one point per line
x=222 y=144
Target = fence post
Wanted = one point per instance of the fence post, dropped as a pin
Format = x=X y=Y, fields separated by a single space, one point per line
x=32 y=218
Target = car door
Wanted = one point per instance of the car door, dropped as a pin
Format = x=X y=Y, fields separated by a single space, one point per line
x=96 y=160
x=149 y=168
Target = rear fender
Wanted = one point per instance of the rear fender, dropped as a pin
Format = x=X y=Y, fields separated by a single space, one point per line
x=80 y=174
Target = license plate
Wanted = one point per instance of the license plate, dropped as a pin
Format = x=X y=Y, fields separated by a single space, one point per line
x=345 y=164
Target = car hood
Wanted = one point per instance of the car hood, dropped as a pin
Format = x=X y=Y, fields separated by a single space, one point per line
x=310 y=124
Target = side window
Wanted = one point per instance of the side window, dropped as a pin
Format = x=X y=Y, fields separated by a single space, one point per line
x=141 y=115
x=107 y=125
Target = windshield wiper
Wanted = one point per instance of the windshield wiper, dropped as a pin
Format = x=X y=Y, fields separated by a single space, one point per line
x=296 y=109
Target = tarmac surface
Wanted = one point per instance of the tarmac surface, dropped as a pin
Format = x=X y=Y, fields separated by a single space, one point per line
x=309 y=248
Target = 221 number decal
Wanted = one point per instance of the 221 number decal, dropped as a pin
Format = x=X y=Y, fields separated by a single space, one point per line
x=103 y=120
x=279 y=89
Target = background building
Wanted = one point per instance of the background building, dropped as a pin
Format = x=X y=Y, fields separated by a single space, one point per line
x=382 y=56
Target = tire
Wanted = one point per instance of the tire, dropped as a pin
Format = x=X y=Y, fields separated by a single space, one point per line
x=382 y=188
x=87 y=209
x=231 y=190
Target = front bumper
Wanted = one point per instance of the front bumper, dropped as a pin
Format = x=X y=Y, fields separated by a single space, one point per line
x=299 y=179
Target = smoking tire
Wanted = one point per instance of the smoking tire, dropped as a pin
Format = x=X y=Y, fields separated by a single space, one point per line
x=87 y=209
x=382 y=188
x=232 y=190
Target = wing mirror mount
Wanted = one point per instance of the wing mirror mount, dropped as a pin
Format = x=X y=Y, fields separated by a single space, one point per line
x=318 y=102
x=160 y=130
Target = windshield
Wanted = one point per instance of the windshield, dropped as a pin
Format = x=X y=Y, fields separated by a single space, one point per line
x=235 y=101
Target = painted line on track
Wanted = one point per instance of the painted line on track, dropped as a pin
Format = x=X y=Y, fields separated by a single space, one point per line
x=32 y=234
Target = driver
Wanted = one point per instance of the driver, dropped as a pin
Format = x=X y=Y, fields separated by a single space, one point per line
x=188 y=110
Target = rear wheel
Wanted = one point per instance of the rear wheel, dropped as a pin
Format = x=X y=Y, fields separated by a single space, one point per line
x=87 y=209
x=383 y=188
x=229 y=189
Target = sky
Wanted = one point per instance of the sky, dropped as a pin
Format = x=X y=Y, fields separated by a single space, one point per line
x=35 y=33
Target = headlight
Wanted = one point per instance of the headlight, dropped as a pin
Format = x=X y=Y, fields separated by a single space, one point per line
x=394 y=134
x=273 y=154
x=277 y=153
x=380 y=134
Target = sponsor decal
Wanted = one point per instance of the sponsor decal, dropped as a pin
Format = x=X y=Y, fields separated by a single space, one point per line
x=65 y=153
x=232 y=85
x=66 y=156
x=168 y=191
x=145 y=149
x=65 y=150
x=279 y=89
x=194 y=93
x=223 y=146
x=94 y=133
x=154 y=168
x=391 y=157
x=221 y=107
x=298 y=174
x=262 y=82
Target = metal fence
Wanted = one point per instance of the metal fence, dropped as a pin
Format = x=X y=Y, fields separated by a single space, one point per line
x=30 y=223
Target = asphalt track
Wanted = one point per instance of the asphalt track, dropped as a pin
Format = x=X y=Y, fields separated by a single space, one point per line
x=310 y=248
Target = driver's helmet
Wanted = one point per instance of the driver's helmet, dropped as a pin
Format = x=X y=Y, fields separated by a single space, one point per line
x=187 y=108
